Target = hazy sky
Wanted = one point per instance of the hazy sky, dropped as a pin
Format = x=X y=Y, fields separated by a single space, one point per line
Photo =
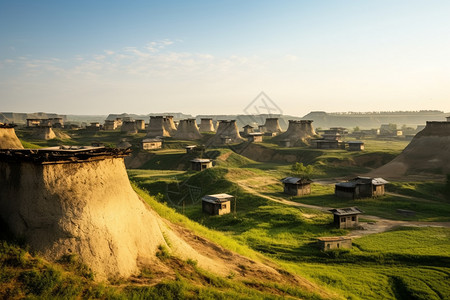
x=215 y=57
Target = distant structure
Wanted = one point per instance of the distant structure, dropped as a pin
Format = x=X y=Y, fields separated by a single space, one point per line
x=190 y=148
x=334 y=242
x=334 y=133
x=296 y=186
x=331 y=139
x=56 y=122
x=129 y=126
x=255 y=137
x=217 y=204
x=346 y=217
x=206 y=125
x=110 y=125
x=151 y=144
x=140 y=124
x=248 y=129
x=187 y=130
x=227 y=133
x=272 y=125
x=360 y=187
x=355 y=146
x=448 y=118
x=94 y=126
x=299 y=132
x=200 y=164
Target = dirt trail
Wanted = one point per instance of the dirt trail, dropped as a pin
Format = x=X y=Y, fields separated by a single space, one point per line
x=377 y=226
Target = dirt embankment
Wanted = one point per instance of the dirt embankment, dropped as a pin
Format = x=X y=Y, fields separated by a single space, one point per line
x=90 y=209
x=9 y=139
x=428 y=152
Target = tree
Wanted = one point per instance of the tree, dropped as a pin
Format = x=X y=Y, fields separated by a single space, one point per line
x=298 y=169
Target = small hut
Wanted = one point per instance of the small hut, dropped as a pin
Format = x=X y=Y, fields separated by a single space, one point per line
x=200 y=164
x=285 y=143
x=248 y=129
x=334 y=242
x=360 y=187
x=326 y=144
x=346 y=217
x=151 y=144
x=190 y=148
x=296 y=186
x=355 y=146
x=218 y=204
x=255 y=137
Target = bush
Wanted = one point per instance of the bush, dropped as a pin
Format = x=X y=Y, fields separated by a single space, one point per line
x=298 y=169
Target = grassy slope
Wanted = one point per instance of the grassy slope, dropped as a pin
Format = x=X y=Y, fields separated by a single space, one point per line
x=23 y=274
x=287 y=235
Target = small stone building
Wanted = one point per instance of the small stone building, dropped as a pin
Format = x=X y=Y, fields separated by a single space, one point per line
x=296 y=186
x=190 y=148
x=346 y=217
x=151 y=144
x=110 y=125
x=94 y=126
x=248 y=129
x=355 y=146
x=285 y=143
x=327 y=144
x=218 y=204
x=255 y=137
x=200 y=164
x=360 y=187
x=334 y=242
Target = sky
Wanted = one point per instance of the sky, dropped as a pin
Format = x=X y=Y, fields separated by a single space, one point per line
x=216 y=57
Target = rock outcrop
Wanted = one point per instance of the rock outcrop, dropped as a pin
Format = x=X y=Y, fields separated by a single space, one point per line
x=161 y=126
x=81 y=202
x=428 y=152
x=8 y=138
x=227 y=133
x=272 y=125
x=43 y=133
x=206 y=125
x=187 y=130
x=297 y=133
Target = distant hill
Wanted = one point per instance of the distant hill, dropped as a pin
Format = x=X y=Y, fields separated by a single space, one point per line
x=322 y=119
x=21 y=118
x=374 y=119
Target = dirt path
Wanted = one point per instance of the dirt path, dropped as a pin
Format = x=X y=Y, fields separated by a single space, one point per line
x=377 y=226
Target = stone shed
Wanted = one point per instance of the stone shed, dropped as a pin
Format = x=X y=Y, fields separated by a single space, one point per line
x=200 y=164
x=255 y=137
x=296 y=186
x=334 y=242
x=217 y=204
x=360 y=187
x=346 y=217
x=355 y=146
x=151 y=144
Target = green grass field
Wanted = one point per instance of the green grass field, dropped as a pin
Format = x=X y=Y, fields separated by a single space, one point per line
x=405 y=263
